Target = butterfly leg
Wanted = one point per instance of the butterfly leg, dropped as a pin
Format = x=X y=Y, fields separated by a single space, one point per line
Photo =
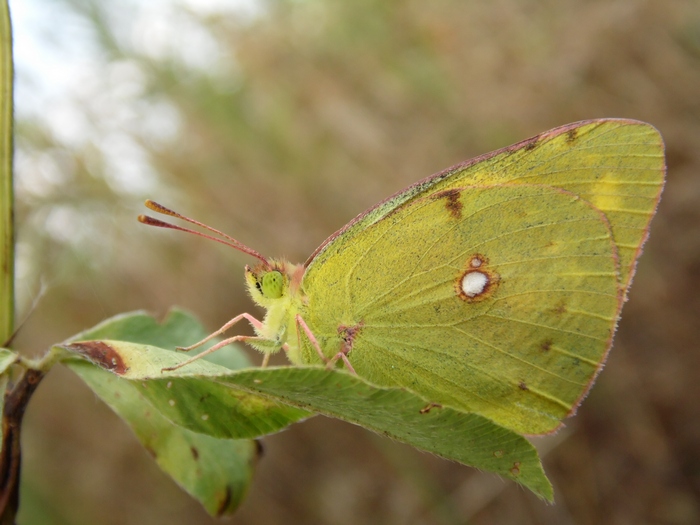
x=252 y=320
x=341 y=355
x=217 y=346
x=302 y=324
x=329 y=362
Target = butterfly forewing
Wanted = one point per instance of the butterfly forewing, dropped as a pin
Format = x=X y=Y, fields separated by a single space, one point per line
x=616 y=164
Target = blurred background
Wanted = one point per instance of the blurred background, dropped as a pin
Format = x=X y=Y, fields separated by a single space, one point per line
x=278 y=121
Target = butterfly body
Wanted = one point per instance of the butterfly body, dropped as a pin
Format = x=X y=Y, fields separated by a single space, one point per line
x=281 y=300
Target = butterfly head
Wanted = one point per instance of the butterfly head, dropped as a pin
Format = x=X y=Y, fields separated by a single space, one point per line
x=273 y=281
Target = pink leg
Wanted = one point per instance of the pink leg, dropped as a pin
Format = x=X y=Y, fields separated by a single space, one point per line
x=213 y=349
x=329 y=362
x=252 y=320
x=301 y=323
x=344 y=357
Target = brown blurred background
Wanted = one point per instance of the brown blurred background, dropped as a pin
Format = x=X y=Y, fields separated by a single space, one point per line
x=279 y=123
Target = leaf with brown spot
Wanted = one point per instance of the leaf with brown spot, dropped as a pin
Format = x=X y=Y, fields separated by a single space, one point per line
x=205 y=466
x=100 y=353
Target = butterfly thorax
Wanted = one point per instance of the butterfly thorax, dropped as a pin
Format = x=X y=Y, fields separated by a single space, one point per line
x=276 y=287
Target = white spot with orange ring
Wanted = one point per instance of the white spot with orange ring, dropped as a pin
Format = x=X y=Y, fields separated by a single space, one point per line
x=474 y=283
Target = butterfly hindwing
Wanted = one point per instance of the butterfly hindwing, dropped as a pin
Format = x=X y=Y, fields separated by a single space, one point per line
x=497 y=299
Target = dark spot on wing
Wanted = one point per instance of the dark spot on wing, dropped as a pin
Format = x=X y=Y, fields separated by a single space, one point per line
x=195 y=453
x=523 y=386
x=572 y=135
x=560 y=308
x=546 y=345
x=452 y=202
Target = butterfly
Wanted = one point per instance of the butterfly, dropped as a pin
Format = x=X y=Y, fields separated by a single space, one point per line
x=494 y=286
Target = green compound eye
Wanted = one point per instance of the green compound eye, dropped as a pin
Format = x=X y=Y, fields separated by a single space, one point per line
x=272 y=285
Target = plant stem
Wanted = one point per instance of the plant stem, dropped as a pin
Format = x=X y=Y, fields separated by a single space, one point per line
x=7 y=256
x=10 y=458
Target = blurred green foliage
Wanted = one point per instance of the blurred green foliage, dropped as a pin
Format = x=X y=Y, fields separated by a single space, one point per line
x=278 y=127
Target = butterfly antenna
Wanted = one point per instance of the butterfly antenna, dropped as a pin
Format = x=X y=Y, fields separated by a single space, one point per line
x=227 y=239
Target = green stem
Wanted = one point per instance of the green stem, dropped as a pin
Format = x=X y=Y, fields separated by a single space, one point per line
x=7 y=256
x=15 y=400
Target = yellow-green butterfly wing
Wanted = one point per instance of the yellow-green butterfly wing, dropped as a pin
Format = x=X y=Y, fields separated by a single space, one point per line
x=616 y=164
x=494 y=286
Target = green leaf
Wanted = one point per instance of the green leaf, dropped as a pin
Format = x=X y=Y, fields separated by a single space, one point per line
x=178 y=328
x=210 y=399
x=196 y=403
x=7 y=255
x=216 y=470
